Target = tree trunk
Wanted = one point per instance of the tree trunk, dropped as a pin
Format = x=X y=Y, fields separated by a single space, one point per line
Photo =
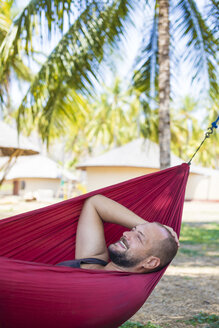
x=164 y=83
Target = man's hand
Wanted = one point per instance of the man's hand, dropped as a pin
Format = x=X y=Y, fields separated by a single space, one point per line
x=173 y=233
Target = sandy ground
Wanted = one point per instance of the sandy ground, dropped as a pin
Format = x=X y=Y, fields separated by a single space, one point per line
x=12 y=205
x=189 y=286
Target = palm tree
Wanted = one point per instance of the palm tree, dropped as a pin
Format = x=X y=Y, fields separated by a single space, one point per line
x=74 y=63
x=154 y=61
x=115 y=116
x=185 y=130
x=188 y=130
x=111 y=119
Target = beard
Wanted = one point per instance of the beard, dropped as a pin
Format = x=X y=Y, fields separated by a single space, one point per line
x=122 y=258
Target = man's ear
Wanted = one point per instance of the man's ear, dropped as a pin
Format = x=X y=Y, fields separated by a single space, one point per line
x=152 y=262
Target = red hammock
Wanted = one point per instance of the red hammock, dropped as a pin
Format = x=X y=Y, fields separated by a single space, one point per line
x=34 y=293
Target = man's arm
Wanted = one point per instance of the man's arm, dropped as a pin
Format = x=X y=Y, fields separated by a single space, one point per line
x=90 y=240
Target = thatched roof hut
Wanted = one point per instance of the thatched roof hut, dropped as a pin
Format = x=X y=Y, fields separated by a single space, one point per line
x=11 y=143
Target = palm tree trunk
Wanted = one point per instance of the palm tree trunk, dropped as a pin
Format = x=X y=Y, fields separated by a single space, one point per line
x=164 y=83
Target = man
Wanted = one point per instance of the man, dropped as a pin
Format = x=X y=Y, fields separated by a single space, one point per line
x=147 y=247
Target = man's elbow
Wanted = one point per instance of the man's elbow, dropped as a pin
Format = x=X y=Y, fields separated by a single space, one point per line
x=93 y=199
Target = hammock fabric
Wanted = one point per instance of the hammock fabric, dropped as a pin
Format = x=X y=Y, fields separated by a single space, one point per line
x=35 y=293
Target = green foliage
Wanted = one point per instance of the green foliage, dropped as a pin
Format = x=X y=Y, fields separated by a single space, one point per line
x=212 y=320
x=201 y=43
x=187 y=132
x=206 y=234
x=149 y=128
x=190 y=252
x=199 y=53
x=146 y=77
x=115 y=116
x=212 y=11
x=111 y=119
x=28 y=22
x=73 y=63
x=22 y=72
x=130 y=324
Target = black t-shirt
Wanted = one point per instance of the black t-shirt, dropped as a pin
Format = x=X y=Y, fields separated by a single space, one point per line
x=77 y=263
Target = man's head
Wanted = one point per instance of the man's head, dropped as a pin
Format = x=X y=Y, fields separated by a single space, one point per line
x=146 y=248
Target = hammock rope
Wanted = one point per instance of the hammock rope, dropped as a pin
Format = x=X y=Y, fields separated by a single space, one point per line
x=208 y=133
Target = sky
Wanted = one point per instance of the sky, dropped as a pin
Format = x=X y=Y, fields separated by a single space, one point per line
x=130 y=48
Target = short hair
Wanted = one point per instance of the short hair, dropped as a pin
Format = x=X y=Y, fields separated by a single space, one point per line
x=165 y=250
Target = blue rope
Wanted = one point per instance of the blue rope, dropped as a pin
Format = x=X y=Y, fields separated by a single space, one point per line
x=214 y=124
x=207 y=135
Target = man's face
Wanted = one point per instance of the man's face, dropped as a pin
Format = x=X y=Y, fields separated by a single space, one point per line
x=137 y=244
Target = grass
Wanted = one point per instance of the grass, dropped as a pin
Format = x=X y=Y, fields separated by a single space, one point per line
x=198 y=240
x=207 y=234
x=130 y=324
x=200 y=320
x=211 y=320
x=190 y=252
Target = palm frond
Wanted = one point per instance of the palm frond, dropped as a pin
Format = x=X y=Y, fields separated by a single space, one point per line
x=74 y=62
x=33 y=16
x=201 y=45
x=145 y=77
x=213 y=16
x=22 y=70
x=4 y=24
